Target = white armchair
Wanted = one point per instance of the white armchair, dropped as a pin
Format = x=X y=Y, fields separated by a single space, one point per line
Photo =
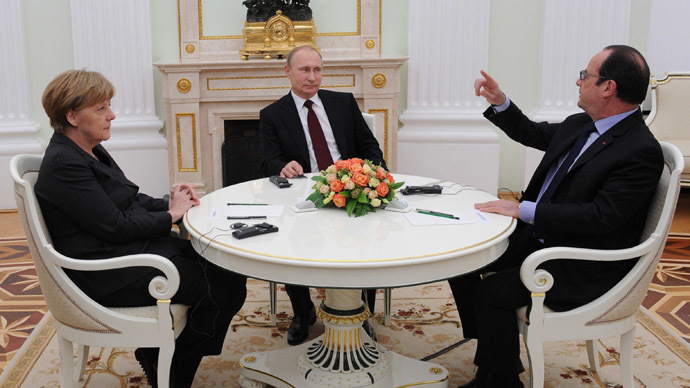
x=669 y=119
x=78 y=318
x=614 y=313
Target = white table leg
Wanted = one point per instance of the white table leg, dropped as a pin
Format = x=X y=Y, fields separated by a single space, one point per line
x=344 y=356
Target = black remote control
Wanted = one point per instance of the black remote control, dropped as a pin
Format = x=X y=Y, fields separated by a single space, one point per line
x=254 y=230
x=435 y=189
x=280 y=181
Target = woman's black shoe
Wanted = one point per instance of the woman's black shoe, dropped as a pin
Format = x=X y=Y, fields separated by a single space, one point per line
x=477 y=381
x=148 y=359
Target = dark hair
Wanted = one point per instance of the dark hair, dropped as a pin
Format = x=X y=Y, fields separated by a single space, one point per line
x=628 y=68
x=73 y=90
x=294 y=51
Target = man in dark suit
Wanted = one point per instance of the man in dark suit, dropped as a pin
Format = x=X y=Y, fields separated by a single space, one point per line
x=306 y=131
x=598 y=201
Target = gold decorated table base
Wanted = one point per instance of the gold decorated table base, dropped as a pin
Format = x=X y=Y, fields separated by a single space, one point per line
x=344 y=356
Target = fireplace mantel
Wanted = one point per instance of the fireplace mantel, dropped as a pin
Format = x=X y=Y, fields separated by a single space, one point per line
x=199 y=96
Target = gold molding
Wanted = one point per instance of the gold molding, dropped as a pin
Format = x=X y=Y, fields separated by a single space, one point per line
x=385 y=130
x=208 y=86
x=179 y=142
x=184 y=85
x=654 y=82
x=378 y=80
x=179 y=30
x=189 y=48
x=213 y=37
x=370 y=44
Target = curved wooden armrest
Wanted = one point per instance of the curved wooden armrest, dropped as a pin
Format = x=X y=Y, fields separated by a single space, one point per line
x=540 y=281
x=160 y=287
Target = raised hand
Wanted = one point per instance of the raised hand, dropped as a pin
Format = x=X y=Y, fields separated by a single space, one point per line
x=487 y=87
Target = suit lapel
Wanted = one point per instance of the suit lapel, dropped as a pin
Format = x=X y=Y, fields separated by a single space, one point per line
x=293 y=126
x=112 y=170
x=333 y=111
x=608 y=138
x=550 y=158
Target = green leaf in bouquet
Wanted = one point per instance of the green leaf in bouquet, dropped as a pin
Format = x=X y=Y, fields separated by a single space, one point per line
x=362 y=198
x=363 y=208
x=320 y=178
x=314 y=196
x=396 y=185
x=345 y=193
x=319 y=202
x=350 y=206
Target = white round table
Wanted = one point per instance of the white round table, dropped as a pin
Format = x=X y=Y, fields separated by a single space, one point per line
x=326 y=248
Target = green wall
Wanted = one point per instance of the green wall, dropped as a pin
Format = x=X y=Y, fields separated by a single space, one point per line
x=513 y=50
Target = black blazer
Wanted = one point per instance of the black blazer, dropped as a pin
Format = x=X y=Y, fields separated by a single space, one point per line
x=283 y=140
x=93 y=211
x=601 y=203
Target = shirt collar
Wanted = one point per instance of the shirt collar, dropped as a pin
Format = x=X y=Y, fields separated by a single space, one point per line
x=607 y=123
x=299 y=101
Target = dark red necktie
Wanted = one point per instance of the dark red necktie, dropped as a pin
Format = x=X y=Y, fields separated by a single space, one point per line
x=318 y=140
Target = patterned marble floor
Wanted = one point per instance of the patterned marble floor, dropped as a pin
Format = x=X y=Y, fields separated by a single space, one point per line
x=22 y=306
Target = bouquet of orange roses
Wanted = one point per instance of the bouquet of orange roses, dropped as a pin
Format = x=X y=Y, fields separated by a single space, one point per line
x=355 y=184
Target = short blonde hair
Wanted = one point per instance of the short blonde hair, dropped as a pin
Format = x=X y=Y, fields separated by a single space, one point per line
x=73 y=90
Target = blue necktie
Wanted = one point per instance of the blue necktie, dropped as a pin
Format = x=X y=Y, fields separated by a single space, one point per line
x=565 y=166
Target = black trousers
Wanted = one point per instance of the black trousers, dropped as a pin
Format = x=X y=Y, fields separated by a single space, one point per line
x=214 y=295
x=487 y=306
x=302 y=304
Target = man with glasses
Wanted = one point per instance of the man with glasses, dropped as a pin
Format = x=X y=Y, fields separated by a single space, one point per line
x=591 y=189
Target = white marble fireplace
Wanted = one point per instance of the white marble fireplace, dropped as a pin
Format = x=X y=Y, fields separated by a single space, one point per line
x=211 y=84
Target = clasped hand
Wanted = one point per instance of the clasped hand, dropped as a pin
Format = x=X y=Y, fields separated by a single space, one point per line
x=182 y=198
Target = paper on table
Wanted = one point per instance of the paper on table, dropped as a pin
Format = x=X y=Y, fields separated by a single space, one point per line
x=253 y=210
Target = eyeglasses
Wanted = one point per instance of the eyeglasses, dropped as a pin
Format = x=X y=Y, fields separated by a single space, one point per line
x=584 y=74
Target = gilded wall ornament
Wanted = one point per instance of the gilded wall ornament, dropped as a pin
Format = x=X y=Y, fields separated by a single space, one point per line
x=370 y=44
x=378 y=80
x=189 y=48
x=184 y=85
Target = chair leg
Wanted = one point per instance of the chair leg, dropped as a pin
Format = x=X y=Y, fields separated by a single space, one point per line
x=273 y=291
x=535 y=355
x=82 y=360
x=387 y=306
x=165 y=355
x=627 y=341
x=593 y=355
x=66 y=362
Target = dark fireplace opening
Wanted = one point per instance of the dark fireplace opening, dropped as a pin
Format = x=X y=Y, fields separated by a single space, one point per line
x=241 y=151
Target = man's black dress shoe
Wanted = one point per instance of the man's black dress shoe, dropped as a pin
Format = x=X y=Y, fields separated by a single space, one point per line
x=148 y=359
x=503 y=381
x=299 y=327
x=477 y=381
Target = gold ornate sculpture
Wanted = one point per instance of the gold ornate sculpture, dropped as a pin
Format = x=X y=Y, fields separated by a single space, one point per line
x=277 y=36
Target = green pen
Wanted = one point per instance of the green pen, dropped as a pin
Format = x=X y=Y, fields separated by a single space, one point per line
x=437 y=214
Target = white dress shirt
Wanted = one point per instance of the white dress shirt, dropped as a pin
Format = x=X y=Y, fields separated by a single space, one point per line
x=325 y=126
